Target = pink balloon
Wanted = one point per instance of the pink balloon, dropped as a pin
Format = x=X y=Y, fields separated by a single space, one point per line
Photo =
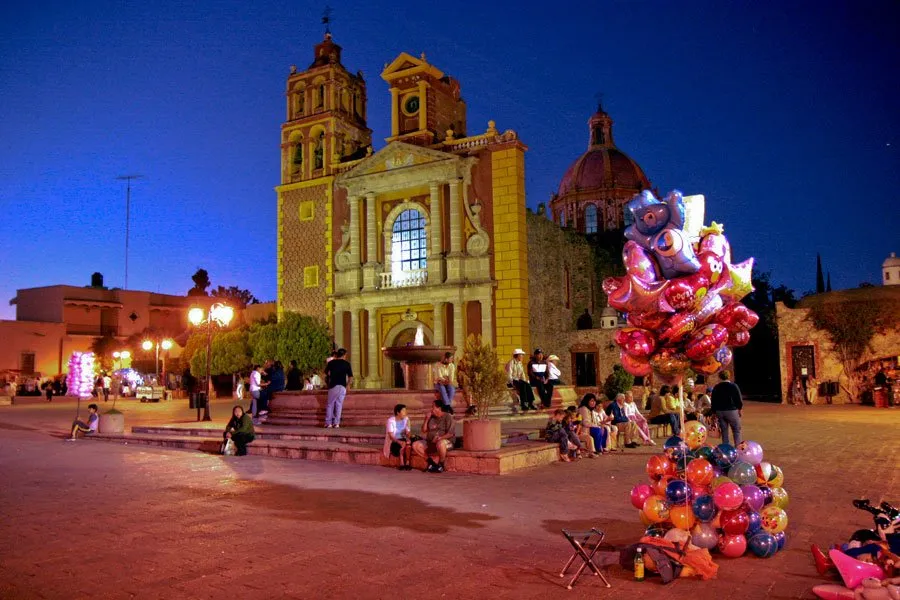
x=717 y=244
x=713 y=268
x=639 y=343
x=739 y=338
x=683 y=293
x=711 y=304
x=651 y=321
x=829 y=591
x=733 y=546
x=728 y=496
x=630 y=294
x=639 y=494
x=854 y=571
x=639 y=263
x=639 y=367
x=705 y=341
x=677 y=327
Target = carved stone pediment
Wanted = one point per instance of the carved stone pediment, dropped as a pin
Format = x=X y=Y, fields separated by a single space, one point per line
x=399 y=163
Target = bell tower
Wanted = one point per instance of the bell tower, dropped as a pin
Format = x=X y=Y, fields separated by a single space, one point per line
x=426 y=105
x=326 y=117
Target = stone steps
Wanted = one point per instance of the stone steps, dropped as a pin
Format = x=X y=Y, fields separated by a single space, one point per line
x=513 y=456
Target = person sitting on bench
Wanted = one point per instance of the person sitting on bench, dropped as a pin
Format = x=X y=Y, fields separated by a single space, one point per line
x=88 y=428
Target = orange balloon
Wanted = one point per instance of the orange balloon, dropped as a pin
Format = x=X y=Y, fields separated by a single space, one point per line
x=659 y=487
x=656 y=509
x=699 y=472
x=660 y=466
x=647 y=522
x=682 y=517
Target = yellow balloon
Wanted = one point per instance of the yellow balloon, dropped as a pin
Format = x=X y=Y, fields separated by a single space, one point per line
x=777 y=479
x=774 y=519
x=682 y=517
x=780 y=497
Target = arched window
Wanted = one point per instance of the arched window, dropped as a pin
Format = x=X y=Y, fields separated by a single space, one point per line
x=408 y=247
x=590 y=218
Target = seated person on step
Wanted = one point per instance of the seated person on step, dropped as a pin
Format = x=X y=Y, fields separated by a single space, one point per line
x=620 y=420
x=440 y=434
x=88 y=428
x=576 y=424
x=558 y=432
x=659 y=415
x=397 y=439
x=240 y=430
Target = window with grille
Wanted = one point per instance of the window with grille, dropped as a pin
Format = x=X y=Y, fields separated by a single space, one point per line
x=590 y=219
x=408 y=242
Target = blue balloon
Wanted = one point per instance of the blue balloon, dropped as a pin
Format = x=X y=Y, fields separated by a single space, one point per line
x=704 y=508
x=780 y=538
x=763 y=544
x=767 y=494
x=725 y=455
x=678 y=492
x=755 y=523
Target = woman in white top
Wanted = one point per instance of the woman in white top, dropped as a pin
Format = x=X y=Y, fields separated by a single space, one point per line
x=553 y=371
x=634 y=415
x=397 y=440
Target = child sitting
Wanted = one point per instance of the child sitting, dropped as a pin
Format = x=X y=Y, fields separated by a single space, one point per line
x=558 y=432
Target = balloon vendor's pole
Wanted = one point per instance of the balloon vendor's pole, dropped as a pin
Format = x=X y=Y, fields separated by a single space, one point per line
x=681 y=403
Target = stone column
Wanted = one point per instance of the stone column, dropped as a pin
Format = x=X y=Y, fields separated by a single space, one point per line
x=423 y=104
x=395 y=112
x=459 y=334
x=455 y=224
x=435 y=258
x=372 y=380
x=487 y=320
x=370 y=269
x=355 y=348
x=440 y=338
x=339 y=328
x=354 y=231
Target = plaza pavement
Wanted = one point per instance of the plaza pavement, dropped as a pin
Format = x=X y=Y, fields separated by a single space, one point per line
x=99 y=520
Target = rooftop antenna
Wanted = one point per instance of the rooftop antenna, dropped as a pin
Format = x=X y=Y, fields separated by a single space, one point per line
x=326 y=19
x=127 y=179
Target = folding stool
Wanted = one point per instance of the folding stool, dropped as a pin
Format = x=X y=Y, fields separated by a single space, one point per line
x=582 y=541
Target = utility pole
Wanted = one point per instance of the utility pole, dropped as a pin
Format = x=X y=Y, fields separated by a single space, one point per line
x=128 y=179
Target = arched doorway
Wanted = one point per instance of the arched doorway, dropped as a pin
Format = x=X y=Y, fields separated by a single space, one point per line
x=402 y=334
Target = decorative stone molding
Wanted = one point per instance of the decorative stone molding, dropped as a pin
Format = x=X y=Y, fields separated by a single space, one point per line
x=342 y=259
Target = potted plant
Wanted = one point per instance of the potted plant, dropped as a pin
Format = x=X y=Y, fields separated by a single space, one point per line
x=484 y=380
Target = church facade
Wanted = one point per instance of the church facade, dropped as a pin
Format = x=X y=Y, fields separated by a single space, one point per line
x=427 y=233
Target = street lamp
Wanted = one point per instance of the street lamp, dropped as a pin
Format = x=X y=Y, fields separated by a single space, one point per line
x=150 y=345
x=221 y=314
x=120 y=357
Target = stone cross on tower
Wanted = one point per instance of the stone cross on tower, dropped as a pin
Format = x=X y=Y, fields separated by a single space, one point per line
x=326 y=19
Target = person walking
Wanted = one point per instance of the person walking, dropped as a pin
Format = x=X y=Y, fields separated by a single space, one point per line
x=338 y=376
x=727 y=405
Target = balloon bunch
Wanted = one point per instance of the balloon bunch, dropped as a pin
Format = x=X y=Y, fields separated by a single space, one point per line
x=681 y=292
x=725 y=497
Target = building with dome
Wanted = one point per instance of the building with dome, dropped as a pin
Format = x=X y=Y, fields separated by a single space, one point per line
x=594 y=190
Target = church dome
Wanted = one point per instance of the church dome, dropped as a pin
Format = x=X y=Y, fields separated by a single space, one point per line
x=603 y=167
x=891 y=261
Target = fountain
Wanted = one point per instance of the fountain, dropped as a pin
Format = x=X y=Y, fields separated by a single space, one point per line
x=417 y=359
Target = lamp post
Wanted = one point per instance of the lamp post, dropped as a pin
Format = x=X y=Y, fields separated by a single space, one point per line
x=120 y=358
x=222 y=314
x=149 y=345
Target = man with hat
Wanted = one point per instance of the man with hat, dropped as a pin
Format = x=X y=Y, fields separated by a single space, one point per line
x=517 y=379
x=553 y=372
x=538 y=377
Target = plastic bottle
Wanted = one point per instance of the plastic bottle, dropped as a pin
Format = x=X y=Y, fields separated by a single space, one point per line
x=639 y=565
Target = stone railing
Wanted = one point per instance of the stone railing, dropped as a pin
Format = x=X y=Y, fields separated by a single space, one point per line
x=412 y=278
x=345 y=166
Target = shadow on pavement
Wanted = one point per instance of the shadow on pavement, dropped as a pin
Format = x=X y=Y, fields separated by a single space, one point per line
x=363 y=509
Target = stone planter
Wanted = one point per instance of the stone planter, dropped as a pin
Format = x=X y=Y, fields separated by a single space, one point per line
x=481 y=436
x=112 y=423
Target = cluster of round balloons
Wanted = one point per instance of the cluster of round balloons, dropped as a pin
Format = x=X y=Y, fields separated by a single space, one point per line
x=727 y=498
x=681 y=292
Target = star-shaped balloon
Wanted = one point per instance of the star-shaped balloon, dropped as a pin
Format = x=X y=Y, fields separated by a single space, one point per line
x=739 y=282
x=630 y=294
x=713 y=227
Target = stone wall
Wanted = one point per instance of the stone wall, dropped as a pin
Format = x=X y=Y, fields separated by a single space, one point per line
x=795 y=329
x=551 y=253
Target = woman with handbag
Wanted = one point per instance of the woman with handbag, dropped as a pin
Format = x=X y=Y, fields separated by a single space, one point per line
x=239 y=431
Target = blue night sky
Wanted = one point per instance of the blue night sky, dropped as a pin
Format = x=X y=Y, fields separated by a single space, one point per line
x=785 y=117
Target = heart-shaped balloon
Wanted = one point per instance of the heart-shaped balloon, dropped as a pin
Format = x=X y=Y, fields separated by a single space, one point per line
x=677 y=327
x=639 y=343
x=706 y=340
x=737 y=317
x=638 y=367
x=686 y=292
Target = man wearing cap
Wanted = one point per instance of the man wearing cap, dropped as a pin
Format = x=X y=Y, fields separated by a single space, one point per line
x=538 y=377
x=517 y=379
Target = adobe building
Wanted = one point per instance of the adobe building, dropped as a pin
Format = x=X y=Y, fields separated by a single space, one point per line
x=806 y=352
x=431 y=231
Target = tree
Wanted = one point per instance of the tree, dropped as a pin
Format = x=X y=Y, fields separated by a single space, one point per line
x=234 y=296
x=230 y=354
x=201 y=282
x=294 y=337
x=618 y=382
x=820 y=279
x=481 y=376
x=850 y=327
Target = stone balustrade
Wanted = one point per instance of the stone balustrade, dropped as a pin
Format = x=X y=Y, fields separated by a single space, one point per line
x=412 y=278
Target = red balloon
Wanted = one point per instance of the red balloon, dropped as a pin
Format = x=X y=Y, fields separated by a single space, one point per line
x=658 y=467
x=734 y=522
x=705 y=341
x=712 y=267
x=739 y=338
x=639 y=367
x=639 y=494
x=737 y=317
x=699 y=473
x=717 y=244
x=732 y=546
x=685 y=292
x=638 y=343
x=651 y=321
x=677 y=327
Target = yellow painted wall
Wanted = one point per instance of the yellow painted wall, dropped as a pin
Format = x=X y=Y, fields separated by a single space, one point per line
x=510 y=249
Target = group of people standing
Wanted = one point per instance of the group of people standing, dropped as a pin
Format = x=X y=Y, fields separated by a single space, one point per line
x=540 y=373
